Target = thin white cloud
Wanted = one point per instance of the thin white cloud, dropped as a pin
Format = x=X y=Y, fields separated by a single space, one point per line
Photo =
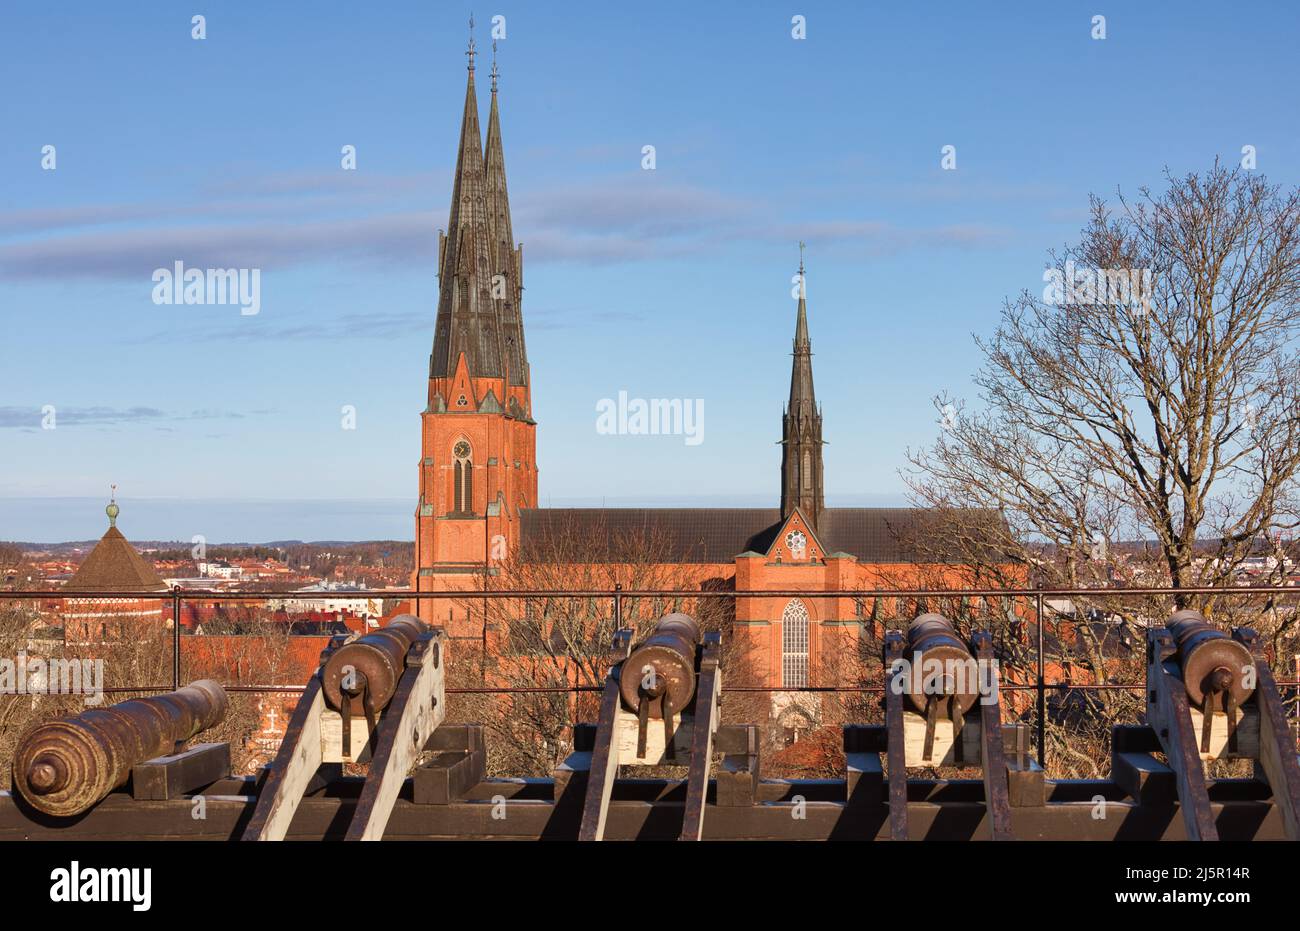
x=33 y=417
x=282 y=221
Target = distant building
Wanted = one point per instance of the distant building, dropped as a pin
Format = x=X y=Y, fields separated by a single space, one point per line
x=333 y=597
x=112 y=566
x=219 y=569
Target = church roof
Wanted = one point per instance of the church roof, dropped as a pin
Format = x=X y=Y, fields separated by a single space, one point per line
x=718 y=535
x=114 y=566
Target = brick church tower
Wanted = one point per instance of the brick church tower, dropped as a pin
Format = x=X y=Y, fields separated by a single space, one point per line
x=478 y=465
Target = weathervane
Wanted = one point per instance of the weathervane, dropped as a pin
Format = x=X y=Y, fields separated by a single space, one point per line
x=470 y=53
x=112 y=510
x=494 y=66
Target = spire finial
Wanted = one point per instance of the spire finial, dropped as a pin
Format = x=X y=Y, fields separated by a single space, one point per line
x=802 y=291
x=112 y=510
x=494 y=66
x=470 y=53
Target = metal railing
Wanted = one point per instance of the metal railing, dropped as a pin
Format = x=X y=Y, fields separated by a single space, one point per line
x=617 y=594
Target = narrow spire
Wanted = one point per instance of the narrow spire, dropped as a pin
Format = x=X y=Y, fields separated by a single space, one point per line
x=507 y=259
x=801 y=379
x=801 y=427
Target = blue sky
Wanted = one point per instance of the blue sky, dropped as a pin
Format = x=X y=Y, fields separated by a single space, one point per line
x=672 y=283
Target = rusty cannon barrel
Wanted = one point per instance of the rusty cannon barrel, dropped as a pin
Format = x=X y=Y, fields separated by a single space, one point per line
x=1213 y=663
x=931 y=640
x=371 y=665
x=662 y=669
x=64 y=767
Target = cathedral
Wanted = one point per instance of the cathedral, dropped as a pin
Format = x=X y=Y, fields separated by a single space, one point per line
x=478 y=500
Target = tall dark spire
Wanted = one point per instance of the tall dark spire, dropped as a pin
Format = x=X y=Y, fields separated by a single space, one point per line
x=801 y=426
x=468 y=320
x=507 y=258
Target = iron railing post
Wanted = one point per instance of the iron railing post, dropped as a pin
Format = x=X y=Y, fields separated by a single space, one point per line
x=176 y=637
x=1042 y=693
x=618 y=605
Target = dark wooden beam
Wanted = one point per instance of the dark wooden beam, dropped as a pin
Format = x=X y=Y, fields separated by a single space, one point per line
x=896 y=756
x=1169 y=712
x=325 y=817
x=182 y=773
x=604 y=755
x=1277 y=752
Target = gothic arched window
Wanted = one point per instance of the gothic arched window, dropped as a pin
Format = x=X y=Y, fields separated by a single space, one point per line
x=794 y=645
x=463 y=491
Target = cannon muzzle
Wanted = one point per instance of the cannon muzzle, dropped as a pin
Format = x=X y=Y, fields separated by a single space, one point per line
x=64 y=767
x=942 y=665
x=1214 y=665
x=371 y=665
x=662 y=667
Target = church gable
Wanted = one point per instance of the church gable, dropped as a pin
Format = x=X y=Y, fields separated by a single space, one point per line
x=461 y=398
x=796 y=541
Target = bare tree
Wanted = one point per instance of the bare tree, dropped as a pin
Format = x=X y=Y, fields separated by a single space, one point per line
x=1150 y=394
x=1167 y=411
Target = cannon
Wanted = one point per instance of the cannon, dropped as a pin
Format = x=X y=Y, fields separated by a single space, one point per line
x=674 y=675
x=398 y=678
x=1214 y=665
x=659 y=675
x=1199 y=679
x=944 y=679
x=933 y=642
x=64 y=767
x=368 y=668
x=932 y=675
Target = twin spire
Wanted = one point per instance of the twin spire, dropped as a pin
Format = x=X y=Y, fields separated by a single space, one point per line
x=480 y=268
x=480 y=288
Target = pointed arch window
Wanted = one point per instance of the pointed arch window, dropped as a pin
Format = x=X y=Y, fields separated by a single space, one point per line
x=807 y=471
x=463 y=489
x=794 y=645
